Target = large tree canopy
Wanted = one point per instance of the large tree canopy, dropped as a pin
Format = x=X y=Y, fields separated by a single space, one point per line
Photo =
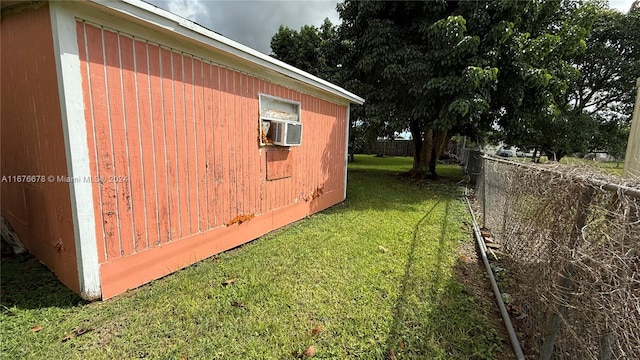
x=438 y=66
x=552 y=75
x=581 y=97
x=604 y=92
x=419 y=69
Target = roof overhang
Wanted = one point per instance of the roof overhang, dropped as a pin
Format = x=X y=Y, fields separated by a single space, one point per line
x=155 y=16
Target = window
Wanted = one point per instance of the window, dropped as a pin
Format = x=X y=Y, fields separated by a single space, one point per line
x=279 y=122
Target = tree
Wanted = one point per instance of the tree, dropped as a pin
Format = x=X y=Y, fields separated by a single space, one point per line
x=418 y=69
x=580 y=99
x=605 y=90
x=535 y=69
x=520 y=70
x=314 y=50
x=437 y=67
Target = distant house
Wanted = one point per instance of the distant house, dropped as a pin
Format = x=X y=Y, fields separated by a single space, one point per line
x=152 y=142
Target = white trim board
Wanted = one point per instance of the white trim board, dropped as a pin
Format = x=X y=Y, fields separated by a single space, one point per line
x=346 y=158
x=63 y=27
x=155 y=16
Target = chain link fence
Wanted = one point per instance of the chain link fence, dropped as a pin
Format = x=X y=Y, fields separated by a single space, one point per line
x=566 y=246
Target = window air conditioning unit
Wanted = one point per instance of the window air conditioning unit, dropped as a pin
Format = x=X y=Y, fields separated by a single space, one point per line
x=286 y=133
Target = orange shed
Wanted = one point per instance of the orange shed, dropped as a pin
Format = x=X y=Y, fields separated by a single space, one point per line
x=135 y=142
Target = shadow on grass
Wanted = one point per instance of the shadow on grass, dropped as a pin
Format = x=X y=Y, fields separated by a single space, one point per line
x=27 y=284
x=400 y=166
x=369 y=300
x=402 y=192
x=435 y=316
x=408 y=283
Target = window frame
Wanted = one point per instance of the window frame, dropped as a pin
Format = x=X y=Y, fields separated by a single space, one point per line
x=264 y=100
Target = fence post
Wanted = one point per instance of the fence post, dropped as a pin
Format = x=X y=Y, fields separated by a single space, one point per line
x=566 y=283
x=606 y=347
x=508 y=187
x=484 y=191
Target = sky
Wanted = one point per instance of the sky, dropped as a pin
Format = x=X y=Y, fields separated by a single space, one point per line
x=253 y=23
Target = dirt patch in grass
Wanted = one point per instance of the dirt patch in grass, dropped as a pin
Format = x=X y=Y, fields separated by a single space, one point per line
x=111 y=331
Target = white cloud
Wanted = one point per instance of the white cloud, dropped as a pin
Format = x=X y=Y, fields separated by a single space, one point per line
x=250 y=22
x=622 y=5
x=189 y=9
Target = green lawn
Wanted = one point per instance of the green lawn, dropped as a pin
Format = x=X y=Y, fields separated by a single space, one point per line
x=374 y=275
x=608 y=168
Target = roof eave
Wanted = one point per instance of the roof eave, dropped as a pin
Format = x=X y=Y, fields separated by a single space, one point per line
x=165 y=19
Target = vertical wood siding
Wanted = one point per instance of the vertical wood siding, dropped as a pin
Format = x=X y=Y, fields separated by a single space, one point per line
x=174 y=138
x=32 y=143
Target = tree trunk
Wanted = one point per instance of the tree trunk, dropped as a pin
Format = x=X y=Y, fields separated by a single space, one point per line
x=439 y=142
x=554 y=155
x=417 y=149
x=445 y=146
x=427 y=151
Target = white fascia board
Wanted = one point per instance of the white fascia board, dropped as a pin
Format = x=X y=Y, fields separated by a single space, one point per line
x=65 y=46
x=167 y=20
x=346 y=158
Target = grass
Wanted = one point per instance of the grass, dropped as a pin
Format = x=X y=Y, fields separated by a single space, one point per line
x=604 y=167
x=375 y=275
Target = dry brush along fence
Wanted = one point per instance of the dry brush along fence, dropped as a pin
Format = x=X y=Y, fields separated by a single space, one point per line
x=569 y=244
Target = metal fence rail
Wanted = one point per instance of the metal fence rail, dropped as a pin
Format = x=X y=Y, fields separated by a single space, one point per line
x=570 y=249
